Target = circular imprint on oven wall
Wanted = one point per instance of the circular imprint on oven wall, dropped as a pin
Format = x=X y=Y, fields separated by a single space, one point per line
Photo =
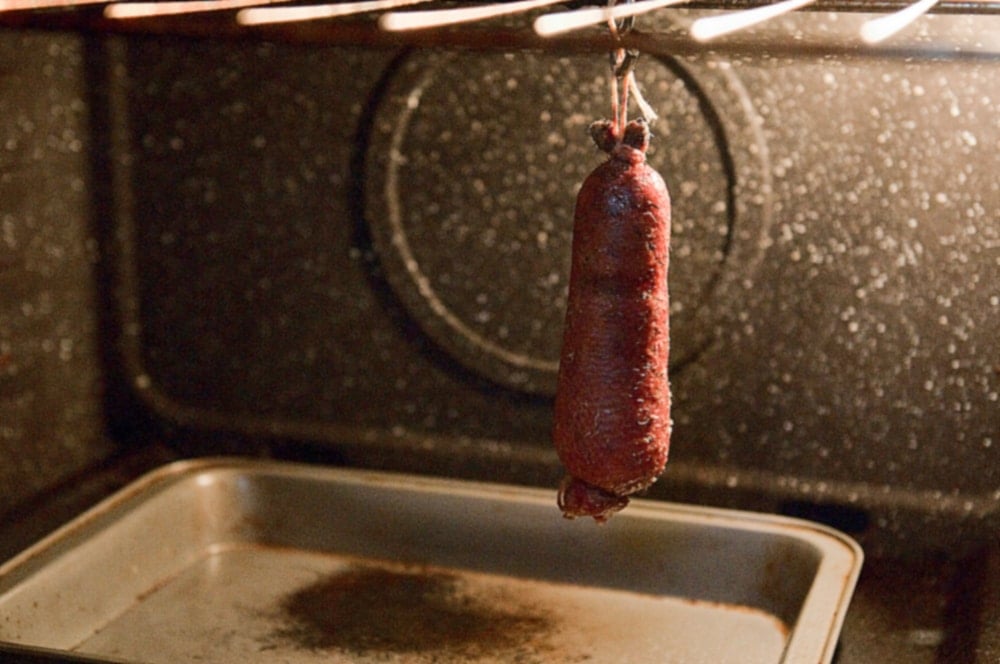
x=471 y=175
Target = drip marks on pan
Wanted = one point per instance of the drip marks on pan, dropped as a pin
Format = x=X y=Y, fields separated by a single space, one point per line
x=370 y=610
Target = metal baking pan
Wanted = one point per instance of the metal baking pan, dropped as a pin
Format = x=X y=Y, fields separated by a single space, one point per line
x=244 y=561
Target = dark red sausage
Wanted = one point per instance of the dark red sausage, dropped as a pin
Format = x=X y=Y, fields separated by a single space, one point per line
x=612 y=409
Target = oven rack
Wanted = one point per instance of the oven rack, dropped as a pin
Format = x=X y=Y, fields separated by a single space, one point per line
x=515 y=32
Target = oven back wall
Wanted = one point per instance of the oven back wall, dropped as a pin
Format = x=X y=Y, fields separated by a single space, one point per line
x=51 y=421
x=345 y=244
x=333 y=240
x=367 y=251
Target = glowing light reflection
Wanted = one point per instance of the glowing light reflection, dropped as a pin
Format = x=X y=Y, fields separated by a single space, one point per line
x=127 y=10
x=711 y=27
x=395 y=21
x=883 y=27
x=559 y=22
x=264 y=15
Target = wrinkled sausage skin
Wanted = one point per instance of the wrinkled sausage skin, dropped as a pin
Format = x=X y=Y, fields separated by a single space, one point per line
x=612 y=409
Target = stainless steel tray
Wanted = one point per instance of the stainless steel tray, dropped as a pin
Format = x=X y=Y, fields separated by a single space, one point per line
x=243 y=561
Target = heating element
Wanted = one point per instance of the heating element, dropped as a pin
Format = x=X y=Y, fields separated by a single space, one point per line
x=398 y=21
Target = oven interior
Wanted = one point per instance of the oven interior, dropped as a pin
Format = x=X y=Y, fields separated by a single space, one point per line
x=325 y=243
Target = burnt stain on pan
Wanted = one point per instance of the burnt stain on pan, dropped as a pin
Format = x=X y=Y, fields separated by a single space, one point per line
x=424 y=614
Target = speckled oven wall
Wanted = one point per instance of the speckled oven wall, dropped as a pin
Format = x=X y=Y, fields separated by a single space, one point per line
x=333 y=241
x=50 y=379
x=367 y=250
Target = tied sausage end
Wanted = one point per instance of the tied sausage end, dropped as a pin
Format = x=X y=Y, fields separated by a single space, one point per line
x=578 y=498
x=636 y=138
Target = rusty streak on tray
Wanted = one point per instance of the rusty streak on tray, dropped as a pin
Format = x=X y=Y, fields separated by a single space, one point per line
x=373 y=610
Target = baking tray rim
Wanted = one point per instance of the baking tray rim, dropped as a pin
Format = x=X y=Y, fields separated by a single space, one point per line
x=175 y=471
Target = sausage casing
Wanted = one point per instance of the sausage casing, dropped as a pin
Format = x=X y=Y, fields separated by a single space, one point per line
x=612 y=409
